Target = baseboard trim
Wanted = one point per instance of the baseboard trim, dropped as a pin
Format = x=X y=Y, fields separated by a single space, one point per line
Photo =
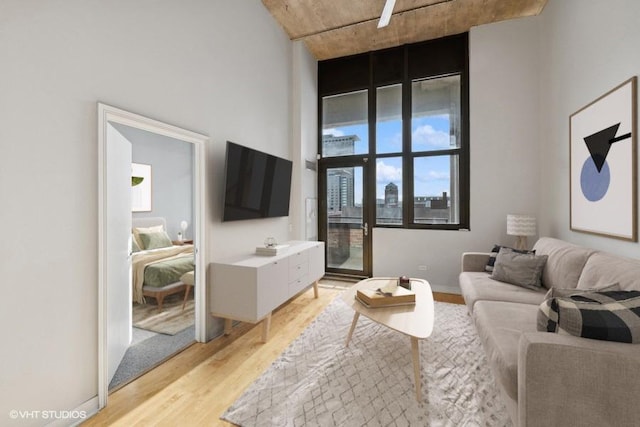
x=77 y=415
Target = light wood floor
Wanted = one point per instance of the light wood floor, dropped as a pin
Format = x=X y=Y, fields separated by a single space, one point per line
x=196 y=386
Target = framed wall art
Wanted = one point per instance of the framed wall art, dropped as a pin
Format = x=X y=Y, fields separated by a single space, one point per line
x=140 y=187
x=603 y=170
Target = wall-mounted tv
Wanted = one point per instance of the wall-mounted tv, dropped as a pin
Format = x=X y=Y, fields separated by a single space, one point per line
x=257 y=184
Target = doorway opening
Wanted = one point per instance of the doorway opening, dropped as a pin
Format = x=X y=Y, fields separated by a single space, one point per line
x=163 y=315
x=131 y=222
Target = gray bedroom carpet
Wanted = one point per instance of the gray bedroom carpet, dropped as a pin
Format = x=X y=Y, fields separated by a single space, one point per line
x=148 y=349
x=316 y=381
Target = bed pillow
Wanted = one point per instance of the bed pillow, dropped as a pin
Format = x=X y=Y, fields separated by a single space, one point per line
x=494 y=253
x=138 y=230
x=155 y=240
x=608 y=316
x=134 y=244
x=519 y=269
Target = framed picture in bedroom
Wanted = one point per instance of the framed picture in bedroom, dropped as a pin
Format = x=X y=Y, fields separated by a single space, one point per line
x=603 y=165
x=140 y=187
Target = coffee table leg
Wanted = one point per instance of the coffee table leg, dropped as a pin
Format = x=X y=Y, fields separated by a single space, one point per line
x=356 y=315
x=415 y=354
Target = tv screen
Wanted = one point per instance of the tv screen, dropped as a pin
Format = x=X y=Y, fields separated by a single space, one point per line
x=257 y=184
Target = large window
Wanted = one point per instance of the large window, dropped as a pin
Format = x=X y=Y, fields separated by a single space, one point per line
x=436 y=150
x=345 y=124
x=405 y=112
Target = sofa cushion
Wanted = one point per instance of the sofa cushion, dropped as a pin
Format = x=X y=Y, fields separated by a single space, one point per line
x=608 y=315
x=500 y=325
x=477 y=286
x=565 y=262
x=519 y=269
x=602 y=268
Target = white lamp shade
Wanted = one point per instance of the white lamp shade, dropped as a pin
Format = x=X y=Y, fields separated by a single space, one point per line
x=521 y=225
x=184 y=225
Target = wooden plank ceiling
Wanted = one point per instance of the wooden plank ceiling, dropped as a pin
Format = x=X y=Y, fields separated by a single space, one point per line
x=336 y=28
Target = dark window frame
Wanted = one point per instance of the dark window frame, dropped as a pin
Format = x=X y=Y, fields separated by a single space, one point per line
x=432 y=59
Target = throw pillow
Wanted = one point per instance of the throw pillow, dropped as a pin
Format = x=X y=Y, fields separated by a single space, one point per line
x=494 y=253
x=155 y=240
x=519 y=269
x=607 y=315
x=567 y=292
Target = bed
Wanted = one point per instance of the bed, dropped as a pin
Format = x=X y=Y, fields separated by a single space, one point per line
x=157 y=264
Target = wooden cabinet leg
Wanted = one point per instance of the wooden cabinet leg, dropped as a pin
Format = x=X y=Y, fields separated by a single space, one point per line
x=266 y=324
x=228 y=325
x=315 y=289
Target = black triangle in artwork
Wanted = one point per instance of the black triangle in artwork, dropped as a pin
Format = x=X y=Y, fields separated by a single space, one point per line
x=599 y=144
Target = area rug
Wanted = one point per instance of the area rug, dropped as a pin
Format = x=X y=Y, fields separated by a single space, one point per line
x=171 y=320
x=317 y=381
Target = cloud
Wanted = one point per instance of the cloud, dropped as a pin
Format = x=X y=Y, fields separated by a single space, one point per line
x=426 y=135
x=388 y=173
x=438 y=176
x=333 y=131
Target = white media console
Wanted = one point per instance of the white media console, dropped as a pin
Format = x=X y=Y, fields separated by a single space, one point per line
x=249 y=288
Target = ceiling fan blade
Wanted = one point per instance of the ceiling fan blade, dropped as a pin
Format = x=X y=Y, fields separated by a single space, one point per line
x=386 y=13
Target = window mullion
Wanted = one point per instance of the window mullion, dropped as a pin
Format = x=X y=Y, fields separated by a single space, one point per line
x=407 y=166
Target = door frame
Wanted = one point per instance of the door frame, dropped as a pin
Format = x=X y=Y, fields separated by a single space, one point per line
x=367 y=240
x=108 y=114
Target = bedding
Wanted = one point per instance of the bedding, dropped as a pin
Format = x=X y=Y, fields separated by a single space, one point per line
x=169 y=271
x=165 y=266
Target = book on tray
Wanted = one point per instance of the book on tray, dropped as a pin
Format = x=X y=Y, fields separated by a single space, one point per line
x=377 y=298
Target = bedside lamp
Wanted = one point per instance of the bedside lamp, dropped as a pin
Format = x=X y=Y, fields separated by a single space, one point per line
x=183 y=227
x=521 y=226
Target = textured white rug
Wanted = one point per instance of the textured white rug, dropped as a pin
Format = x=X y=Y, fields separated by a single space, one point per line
x=316 y=381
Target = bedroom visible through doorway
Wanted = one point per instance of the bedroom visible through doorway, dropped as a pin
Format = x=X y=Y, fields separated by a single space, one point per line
x=151 y=235
x=162 y=272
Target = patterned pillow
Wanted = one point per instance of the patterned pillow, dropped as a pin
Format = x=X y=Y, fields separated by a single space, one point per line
x=607 y=315
x=567 y=292
x=494 y=253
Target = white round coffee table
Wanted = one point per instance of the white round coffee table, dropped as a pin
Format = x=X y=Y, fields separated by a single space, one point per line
x=415 y=321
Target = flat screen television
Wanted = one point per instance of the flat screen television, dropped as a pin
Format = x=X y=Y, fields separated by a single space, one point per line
x=257 y=184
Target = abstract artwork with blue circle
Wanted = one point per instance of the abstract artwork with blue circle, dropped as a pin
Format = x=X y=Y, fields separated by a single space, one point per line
x=603 y=165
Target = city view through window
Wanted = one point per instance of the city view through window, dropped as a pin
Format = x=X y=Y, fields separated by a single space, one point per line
x=432 y=157
x=432 y=175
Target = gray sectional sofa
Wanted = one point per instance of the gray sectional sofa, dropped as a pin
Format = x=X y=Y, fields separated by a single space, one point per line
x=549 y=379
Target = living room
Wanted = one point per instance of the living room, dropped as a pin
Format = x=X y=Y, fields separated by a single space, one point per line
x=228 y=70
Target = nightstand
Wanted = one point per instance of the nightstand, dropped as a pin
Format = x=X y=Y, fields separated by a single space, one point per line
x=182 y=242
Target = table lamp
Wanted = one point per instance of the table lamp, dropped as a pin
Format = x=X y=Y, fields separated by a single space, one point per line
x=183 y=227
x=521 y=226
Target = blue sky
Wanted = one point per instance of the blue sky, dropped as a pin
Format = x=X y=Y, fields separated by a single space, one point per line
x=428 y=133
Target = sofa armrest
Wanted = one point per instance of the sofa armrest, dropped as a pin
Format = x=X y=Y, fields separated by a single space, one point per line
x=572 y=381
x=474 y=261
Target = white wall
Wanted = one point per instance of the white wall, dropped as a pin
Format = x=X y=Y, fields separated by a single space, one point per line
x=588 y=48
x=221 y=68
x=305 y=137
x=504 y=158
